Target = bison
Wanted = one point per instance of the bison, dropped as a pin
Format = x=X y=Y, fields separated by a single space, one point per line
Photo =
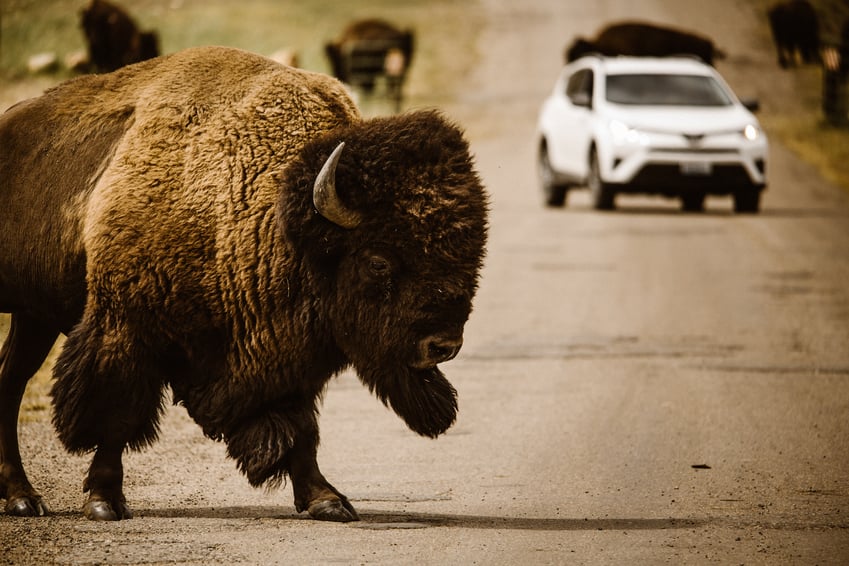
x=795 y=31
x=113 y=38
x=369 y=49
x=230 y=228
x=644 y=40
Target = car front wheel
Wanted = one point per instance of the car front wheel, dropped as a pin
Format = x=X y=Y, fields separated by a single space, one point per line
x=554 y=193
x=603 y=196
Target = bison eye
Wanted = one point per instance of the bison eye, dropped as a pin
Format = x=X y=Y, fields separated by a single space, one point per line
x=379 y=266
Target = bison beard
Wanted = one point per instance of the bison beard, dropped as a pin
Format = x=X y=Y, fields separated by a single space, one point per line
x=423 y=398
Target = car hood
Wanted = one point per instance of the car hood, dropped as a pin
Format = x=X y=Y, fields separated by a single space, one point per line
x=682 y=119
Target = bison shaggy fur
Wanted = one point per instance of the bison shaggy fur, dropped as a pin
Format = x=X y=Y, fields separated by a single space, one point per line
x=642 y=39
x=166 y=217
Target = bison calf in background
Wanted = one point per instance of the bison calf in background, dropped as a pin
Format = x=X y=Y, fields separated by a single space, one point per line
x=232 y=228
x=641 y=39
x=113 y=39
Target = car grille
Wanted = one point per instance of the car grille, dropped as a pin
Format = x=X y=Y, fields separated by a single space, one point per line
x=669 y=177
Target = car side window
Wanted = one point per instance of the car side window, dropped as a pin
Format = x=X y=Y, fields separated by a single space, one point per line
x=579 y=88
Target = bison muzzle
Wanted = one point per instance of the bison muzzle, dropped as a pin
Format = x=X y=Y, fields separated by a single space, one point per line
x=232 y=230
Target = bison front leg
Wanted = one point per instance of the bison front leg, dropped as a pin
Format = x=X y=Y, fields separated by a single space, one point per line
x=104 y=485
x=107 y=396
x=285 y=442
x=313 y=493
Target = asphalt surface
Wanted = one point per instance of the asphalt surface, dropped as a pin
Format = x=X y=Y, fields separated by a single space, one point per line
x=636 y=387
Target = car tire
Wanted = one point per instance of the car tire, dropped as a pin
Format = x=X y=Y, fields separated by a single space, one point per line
x=603 y=196
x=554 y=193
x=693 y=201
x=747 y=201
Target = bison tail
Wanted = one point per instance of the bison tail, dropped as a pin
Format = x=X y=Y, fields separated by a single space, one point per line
x=105 y=393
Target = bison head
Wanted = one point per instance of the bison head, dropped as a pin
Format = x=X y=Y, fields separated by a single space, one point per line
x=390 y=217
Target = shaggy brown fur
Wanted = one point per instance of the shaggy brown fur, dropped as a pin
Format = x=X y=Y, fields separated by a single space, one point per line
x=180 y=189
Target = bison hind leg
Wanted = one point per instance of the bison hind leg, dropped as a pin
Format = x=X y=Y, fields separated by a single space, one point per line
x=107 y=395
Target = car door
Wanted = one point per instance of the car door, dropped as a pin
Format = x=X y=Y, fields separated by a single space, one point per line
x=571 y=123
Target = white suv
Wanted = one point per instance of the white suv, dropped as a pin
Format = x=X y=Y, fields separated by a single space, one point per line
x=668 y=126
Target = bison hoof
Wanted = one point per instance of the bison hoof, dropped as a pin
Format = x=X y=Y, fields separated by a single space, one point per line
x=100 y=510
x=31 y=506
x=335 y=510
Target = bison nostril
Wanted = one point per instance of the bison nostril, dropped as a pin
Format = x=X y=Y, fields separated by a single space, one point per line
x=435 y=350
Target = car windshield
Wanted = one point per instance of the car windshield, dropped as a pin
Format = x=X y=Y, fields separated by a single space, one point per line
x=666 y=90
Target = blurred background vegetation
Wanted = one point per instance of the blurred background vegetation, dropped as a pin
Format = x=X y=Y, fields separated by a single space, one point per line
x=446 y=49
x=446 y=34
x=806 y=132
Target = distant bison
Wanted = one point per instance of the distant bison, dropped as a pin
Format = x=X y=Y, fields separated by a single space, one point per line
x=795 y=30
x=232 y=228
x=644 y=40
x=369 y=49
x=113 y=38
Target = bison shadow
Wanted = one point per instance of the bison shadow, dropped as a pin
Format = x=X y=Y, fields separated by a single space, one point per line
x=386 y=520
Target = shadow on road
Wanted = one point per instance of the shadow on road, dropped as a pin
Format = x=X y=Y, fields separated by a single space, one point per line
x=769 y=212
x=384 y=520
x=377 y=519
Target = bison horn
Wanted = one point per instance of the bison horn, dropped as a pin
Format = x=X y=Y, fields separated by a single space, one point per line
x=324 y=195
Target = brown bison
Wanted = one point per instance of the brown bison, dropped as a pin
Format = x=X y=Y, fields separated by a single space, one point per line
x=369 y=49
x=795 y=31
x=113 y=38
x=230 y=228
x=644 y=40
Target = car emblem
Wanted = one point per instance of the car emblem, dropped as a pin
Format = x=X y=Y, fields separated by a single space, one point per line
x=694 y=138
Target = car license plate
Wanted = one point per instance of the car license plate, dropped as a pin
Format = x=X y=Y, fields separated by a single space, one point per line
x=696 y=168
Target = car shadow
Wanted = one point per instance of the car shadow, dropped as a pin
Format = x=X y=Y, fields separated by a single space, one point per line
x=769 y=212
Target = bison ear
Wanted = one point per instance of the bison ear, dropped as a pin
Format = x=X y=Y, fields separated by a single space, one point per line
x=324 y=195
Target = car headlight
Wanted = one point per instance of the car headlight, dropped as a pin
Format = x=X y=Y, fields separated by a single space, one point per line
x=751 y=132
x=623 y=134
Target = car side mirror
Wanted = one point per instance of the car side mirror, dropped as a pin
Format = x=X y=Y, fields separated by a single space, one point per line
x=751 y=104
x=581 y=99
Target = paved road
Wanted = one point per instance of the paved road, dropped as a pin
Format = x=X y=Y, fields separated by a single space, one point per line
x=641 y=386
